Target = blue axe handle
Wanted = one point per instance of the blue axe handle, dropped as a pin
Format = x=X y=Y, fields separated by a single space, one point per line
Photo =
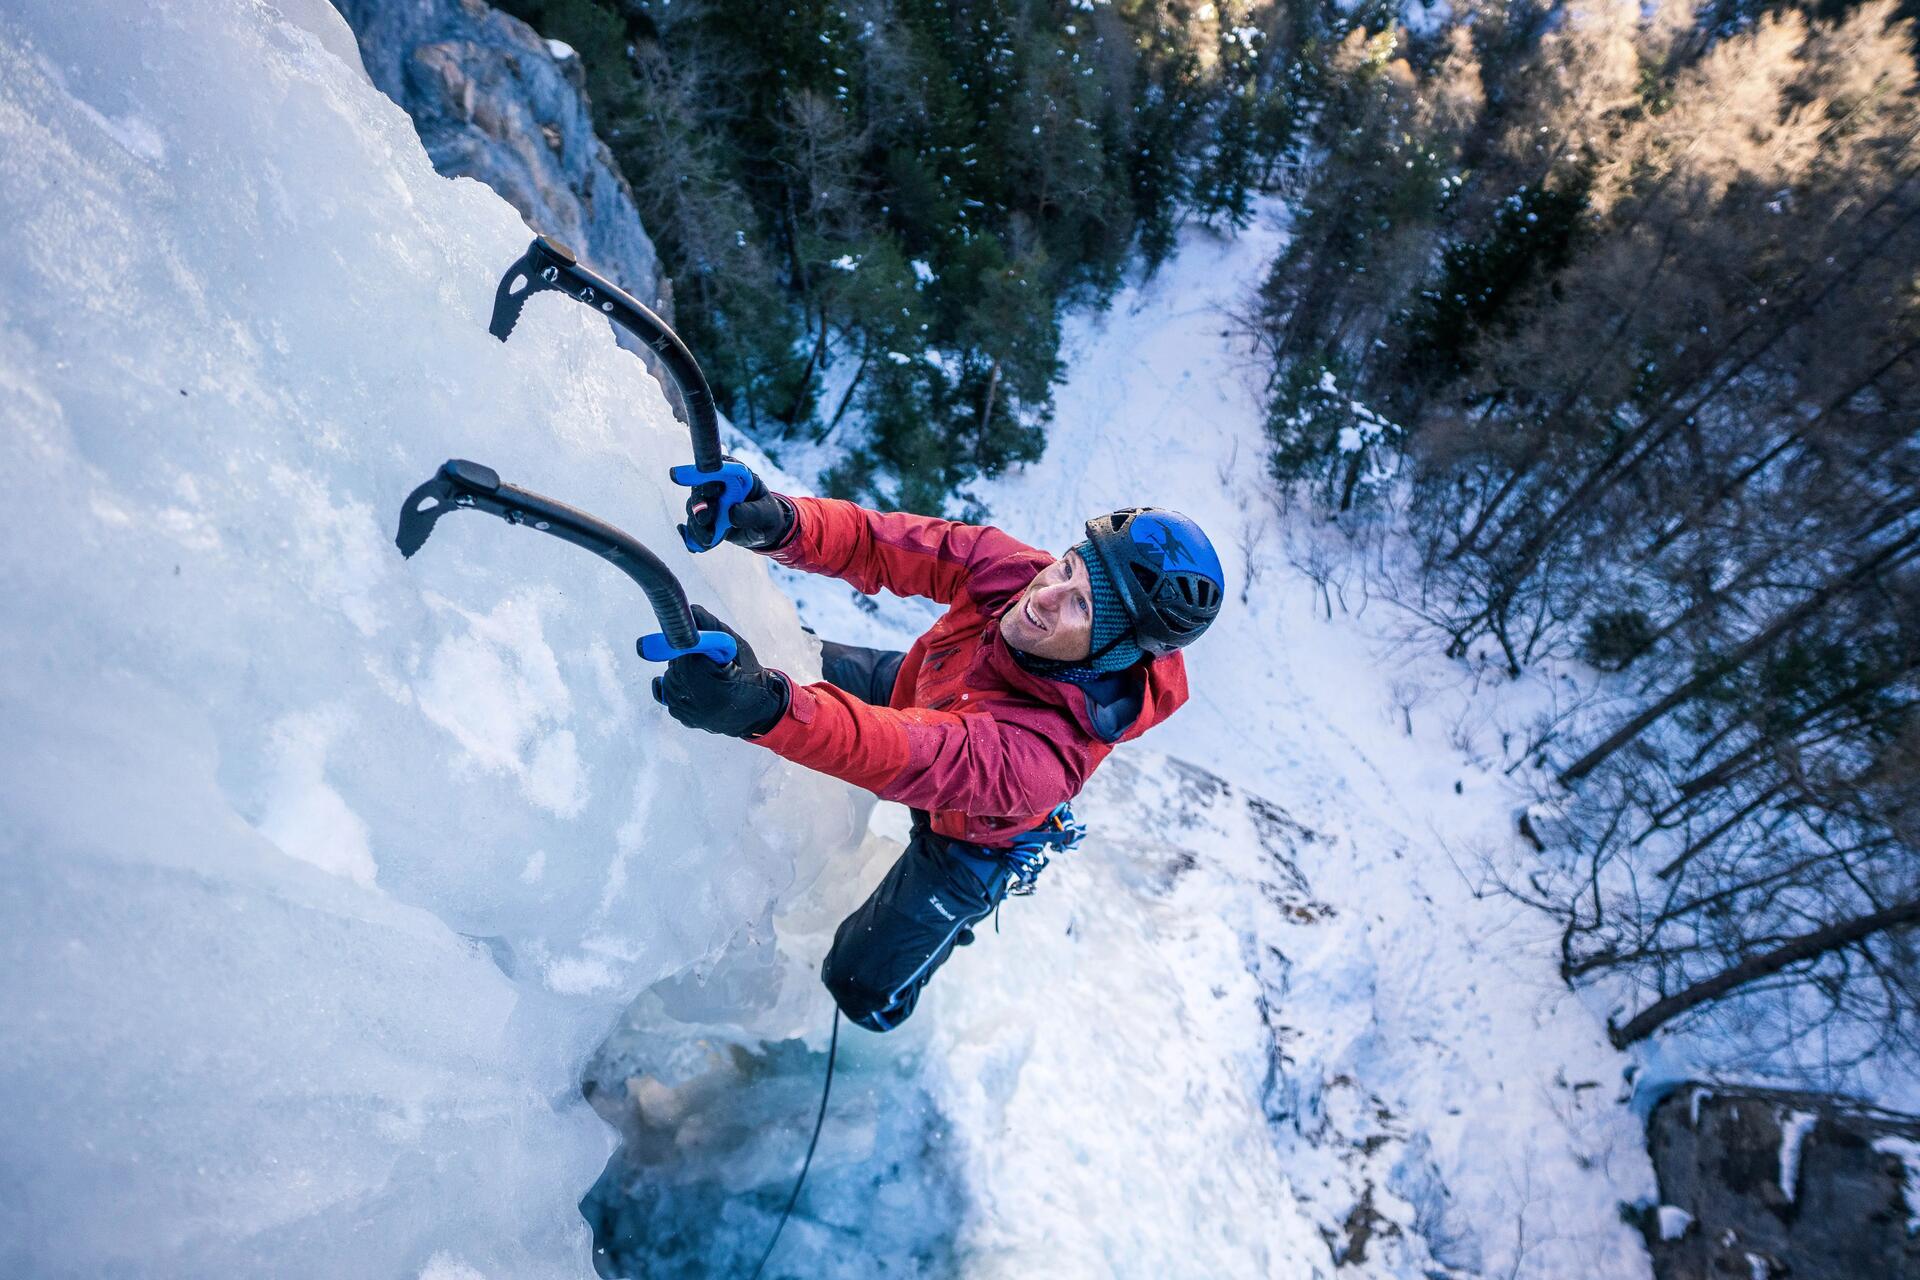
x=717 y=646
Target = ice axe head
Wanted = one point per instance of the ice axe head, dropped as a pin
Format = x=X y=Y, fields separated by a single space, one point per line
x=452 y=486
x=537 y=269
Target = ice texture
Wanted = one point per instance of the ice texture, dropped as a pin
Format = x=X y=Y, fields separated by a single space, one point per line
x=1794 y=1128
x=1674 y=1222
x=324 y=870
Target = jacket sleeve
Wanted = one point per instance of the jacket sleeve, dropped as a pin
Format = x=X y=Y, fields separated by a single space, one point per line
x=967 y=761
x=908 y=555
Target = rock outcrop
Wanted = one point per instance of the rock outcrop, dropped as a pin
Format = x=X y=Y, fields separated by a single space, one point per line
x=1763 y=1184
x=494 y=101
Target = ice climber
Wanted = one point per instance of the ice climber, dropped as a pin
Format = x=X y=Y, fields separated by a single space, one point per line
x=986 y=727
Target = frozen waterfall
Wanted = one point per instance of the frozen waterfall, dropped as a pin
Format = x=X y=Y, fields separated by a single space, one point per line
x=325 y=871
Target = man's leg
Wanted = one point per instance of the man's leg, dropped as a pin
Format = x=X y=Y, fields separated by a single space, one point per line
x=867 y=674
x=888 y=949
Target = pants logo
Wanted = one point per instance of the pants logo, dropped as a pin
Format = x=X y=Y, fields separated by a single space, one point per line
x=941 y=907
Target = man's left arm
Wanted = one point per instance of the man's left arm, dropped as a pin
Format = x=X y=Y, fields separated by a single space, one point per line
x=967 y=761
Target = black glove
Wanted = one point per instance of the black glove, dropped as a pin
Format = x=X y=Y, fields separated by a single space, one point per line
x=742 y=699
x=758 y=521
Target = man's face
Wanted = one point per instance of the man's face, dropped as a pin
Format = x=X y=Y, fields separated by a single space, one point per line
x=1053 y=618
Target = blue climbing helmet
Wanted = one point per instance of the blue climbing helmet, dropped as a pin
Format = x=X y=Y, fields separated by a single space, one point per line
x=1167 y=573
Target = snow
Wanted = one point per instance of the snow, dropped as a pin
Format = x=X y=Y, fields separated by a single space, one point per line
x=1909 y=1153
x=442 y=1266
x=1674 y=1222
x=922 y=271
x=1794 y=1128
x=560 y=50
x=1427 y=20
x=325 y=871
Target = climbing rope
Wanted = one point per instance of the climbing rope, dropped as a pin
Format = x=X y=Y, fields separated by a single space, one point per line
x=833 y=1046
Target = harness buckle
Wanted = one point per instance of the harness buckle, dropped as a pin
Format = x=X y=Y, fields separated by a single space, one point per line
x=1031 y=851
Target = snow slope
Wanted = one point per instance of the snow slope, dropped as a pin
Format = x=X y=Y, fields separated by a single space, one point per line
x=323 y=871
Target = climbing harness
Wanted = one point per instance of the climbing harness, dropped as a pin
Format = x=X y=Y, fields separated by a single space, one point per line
x=833 y=1046
x=1032 y=851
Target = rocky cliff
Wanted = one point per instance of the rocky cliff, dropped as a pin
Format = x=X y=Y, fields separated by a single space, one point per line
x=1763 y=1184
x=494 y=101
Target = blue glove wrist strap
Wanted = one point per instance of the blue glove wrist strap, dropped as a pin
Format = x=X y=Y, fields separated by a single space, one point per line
x=738 y=481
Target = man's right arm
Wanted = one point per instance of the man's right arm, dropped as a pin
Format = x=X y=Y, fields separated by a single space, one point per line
x=906 y=554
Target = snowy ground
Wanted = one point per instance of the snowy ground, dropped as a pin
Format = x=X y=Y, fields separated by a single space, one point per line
x=326 y=872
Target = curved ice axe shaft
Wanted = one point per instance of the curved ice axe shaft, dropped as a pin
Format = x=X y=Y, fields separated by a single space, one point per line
x=548 y=264
x=470 y=486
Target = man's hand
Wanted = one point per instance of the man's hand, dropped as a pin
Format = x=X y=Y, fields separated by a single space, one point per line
x=741 y=699
x=759 y=521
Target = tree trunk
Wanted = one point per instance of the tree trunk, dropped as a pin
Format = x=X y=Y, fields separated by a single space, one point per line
x=1808 y=946
x=1891 y=554
x=1629 y=454
x=986 y=410
x=859 y=371
x=1467 y=539
x=1794 y=437
x=1782 y=735
x=1705 y=507
x=1700 y=846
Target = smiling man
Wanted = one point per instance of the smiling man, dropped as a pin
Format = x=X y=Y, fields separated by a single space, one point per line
x=986 y=726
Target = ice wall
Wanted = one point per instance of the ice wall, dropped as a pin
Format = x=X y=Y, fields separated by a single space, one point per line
x=320 y=871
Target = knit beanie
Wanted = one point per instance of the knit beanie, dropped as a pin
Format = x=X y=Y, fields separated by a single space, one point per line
x=1114 y=648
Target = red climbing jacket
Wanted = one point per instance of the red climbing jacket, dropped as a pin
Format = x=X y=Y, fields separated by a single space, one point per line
x=985 y=746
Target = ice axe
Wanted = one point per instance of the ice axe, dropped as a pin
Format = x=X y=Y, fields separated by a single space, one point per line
x=548 y=264
x=460 y=485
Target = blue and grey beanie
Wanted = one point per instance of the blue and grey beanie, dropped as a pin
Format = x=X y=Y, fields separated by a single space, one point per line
x=1114 y=648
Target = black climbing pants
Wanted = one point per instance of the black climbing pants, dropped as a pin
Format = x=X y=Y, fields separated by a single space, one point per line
x=867 y=674
x=886 y=952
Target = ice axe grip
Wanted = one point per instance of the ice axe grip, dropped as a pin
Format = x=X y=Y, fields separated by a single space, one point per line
x=716 y=645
